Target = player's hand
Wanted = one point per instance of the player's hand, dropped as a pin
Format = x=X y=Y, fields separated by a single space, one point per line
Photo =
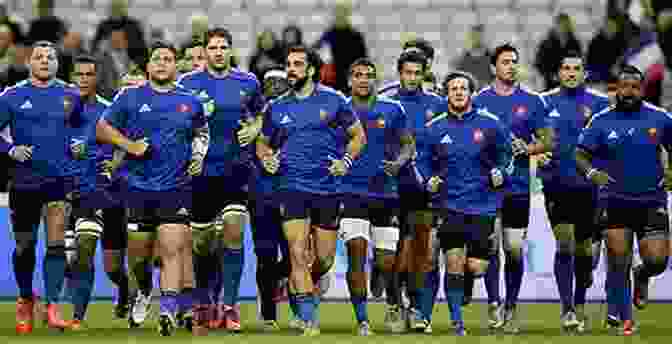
x=340 y=167
x=434 y=183
x=600 y=178
x=21 y=153
x=108 y=167
x=667 y=179
x=544 y=159
x=78 y=148
x=392 y=168
x=271 y=162
x=196 y=166
x=248 y=131
x=519 y=146
x=138 y=148
x=496 y=177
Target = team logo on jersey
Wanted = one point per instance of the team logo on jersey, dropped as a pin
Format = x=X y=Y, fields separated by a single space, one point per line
x=653 y=134
x=520 y=110
x=478 y=136
x=67 y=104
x=183 y=108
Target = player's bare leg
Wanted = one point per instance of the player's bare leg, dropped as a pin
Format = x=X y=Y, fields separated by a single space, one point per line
x=619 y=250
x=171 y=238
x=54 y=265
x=324 y=244
x=141 y=240
x=301 y=282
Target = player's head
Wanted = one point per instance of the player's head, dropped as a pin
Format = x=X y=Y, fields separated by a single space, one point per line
x=571 y=72
x=162 y=66
x=194 y=58
x=411 y=67
x=423 y=46
x=363 y=77
x=629 y=94
x=612 y=87
x=85 y=74
x=504 y=63
x=275 y=82
x=219 y=49
x=43 y=61
x=303 y=64
x=459 y=87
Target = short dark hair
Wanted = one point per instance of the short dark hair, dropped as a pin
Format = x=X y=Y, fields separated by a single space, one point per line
x=160 y=44
x=312 y=57
x=503 y=48
x=473 y=86
x=218 y=32
x=411 y=57
x=363 y=61
x=423 y=45
x=628 y=69
x=85 y=59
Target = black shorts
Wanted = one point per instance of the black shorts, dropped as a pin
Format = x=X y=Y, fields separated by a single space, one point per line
x=113 y=220
x=471 y=231
x=646 y=222
x=380 y=212
x=515 y=212
x=410 y=202
x=26 y=204
x=212 y=194
x=322 y=210
x=576 y=207
x=150 y=209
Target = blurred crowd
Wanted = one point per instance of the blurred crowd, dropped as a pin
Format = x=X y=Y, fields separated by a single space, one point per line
x=637 y=32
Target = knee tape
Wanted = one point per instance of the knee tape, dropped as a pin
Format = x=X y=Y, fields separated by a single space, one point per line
x=385 y=238
x=514 y=238
x=70 y=246
x=354 y=228
x=88 y=226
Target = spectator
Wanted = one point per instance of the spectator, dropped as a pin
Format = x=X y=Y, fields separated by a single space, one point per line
x=137 y=47
x=341 y=45
x=7 y=47
x=18 y=70
x=199 y=26
x=13 y=24
x=268 y=53
x=606 y=48
x=291 y=35
x=476 y=57
x=115 y=61
x=46 y=27
x=561 y=38
x=71 y=47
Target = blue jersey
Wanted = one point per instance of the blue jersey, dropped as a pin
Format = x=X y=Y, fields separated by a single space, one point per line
x=572 y=109
x=389 y=89
x=168 y=120
x=42 y=117
x=308 y=133
x=85 y=170
x=628 y=145
x=385 y=123
x=228 y=100
x=464 y=152
x=522 y=113
x=421 y=107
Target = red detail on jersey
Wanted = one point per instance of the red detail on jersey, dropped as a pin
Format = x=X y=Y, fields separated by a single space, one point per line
x=183 y=108
x=478 y=136
x=520 y=110
x=653 y=135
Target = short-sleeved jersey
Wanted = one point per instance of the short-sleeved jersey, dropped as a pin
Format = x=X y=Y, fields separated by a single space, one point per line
x=42 y=117
x=308 y=133
x=571 y=111
x=523 y=113
x=238 y=96
x=421 y=107
x=85 y=170
x=168 y=120
x=464 y=153
x=385 y=123
x=628 y=145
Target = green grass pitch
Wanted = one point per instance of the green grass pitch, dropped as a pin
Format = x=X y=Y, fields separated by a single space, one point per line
x=540 y=324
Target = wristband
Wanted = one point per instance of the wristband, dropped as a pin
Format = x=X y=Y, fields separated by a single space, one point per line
x=347 y=160
x=591 y=172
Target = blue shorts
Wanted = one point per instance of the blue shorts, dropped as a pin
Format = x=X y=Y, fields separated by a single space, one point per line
x=267 y=230
x=379 y=212
x=322 y=210
x=474 y=232
x=26 y=202
x=212 y=194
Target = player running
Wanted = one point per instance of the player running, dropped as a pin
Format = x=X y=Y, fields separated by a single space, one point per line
x=40 y=113
x=415 y=256
x=97 y=210
x=166 y=145
x=267 y=221
x=370 y=194
x=524 y=113
x=301 y=144
x=233 y=100
x=472 y=158
x=571 y=200
x=628 y=138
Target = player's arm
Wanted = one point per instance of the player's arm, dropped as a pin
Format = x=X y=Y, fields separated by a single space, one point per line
x=407 y=144
x=543 y=131
x=665 y=147
x=265 y=152
x=200 y=141
x=504 y=160
x=251 y=127
x=590 y=142
x=114 y=118
x=19 y=153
